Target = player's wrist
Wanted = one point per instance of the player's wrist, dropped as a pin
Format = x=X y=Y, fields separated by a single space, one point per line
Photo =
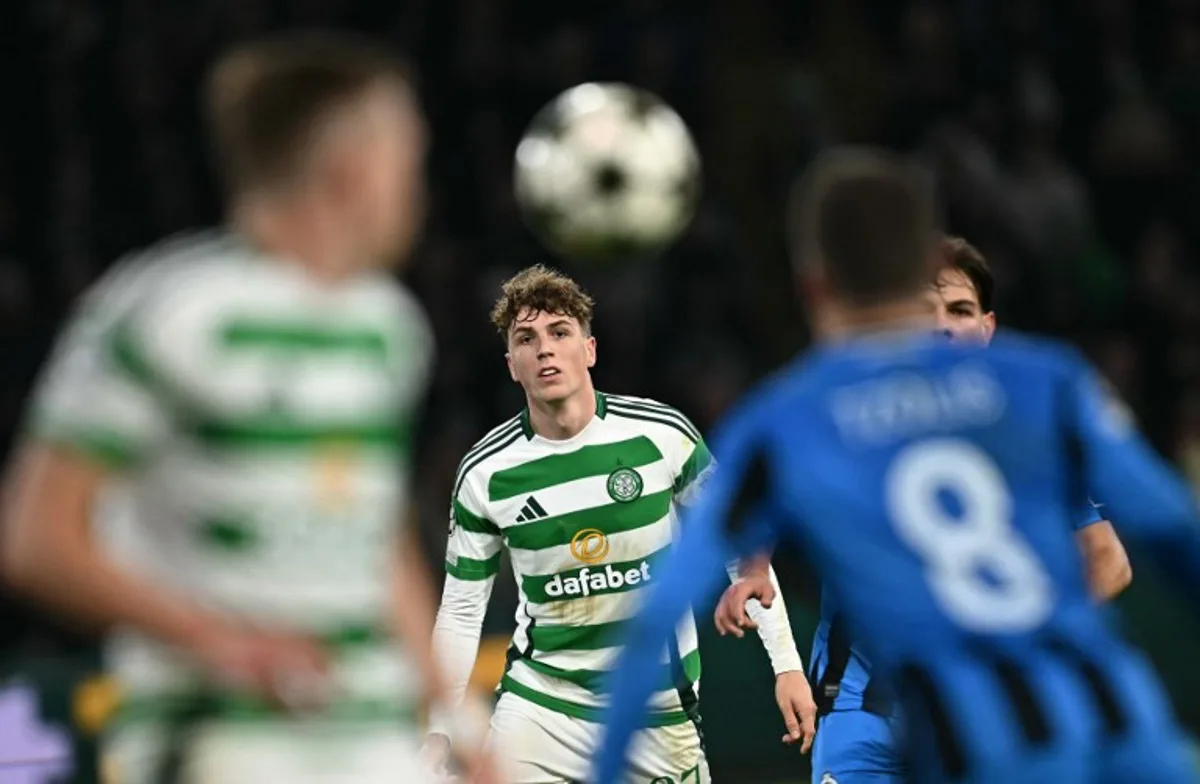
x=463 y=726
x=186 y=627
x=787 y=662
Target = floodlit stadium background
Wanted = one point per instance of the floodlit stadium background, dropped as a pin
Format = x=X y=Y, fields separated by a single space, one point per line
x=1064 y=133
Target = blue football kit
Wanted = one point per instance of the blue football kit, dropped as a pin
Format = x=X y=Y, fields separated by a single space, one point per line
x=933 y=486
x=858 y=739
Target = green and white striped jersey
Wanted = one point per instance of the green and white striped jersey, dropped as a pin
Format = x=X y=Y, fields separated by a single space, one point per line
x=585 y=521
x=260 y=421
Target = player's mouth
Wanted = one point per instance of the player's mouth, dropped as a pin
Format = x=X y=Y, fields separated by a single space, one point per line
x=549 y=372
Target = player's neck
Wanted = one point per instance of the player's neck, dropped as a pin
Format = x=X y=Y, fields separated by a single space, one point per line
x=846 y=323
x=282 y=231
x=563 y=419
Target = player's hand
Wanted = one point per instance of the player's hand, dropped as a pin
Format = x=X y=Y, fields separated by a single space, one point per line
x=435 y=755
x=730 y=616
x=795 y=700
x=290 y=670
x=482 y=768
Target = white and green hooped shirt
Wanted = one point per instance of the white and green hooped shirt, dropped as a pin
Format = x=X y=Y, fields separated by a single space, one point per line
x=261 y=421
x=585 y=521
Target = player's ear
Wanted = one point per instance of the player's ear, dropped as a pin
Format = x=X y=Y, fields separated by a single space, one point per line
x=590 y=348
x=341 y=172
x=812 y=285
x=817 y=296
x=989 y=326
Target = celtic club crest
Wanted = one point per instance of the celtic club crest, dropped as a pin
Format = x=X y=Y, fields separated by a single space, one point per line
x=624 y=485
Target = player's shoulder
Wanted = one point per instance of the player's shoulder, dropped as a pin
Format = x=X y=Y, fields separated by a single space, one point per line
x=801 y=378
x=146 y=282
x=772 y=406
x=490 y=450
x=647 y=414
x=196 y=253
x=381 y=291
x=164 y=278
x=1018 y=351
x=147 y=270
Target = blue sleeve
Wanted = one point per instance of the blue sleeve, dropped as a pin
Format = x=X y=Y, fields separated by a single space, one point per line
x=1145 y=498
x=692 y=572
x=1087 y=514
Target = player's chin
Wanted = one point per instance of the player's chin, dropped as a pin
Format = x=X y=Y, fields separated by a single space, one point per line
x=552 y=389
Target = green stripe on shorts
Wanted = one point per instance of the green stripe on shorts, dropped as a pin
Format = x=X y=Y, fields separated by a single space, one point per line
x=585 y=712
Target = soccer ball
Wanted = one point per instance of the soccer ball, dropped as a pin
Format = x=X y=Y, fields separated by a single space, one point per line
x=607 y=172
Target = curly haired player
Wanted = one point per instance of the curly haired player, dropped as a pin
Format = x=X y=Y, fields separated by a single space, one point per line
x=583 y=488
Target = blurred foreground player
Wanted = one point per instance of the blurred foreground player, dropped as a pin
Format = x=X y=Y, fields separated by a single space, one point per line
x=859 y=739
x=933 y=483
x=253 y=391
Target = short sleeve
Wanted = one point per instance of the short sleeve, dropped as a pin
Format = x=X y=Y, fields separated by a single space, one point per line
x=1088 y=513
x=1142 y=494
x=473 y=549
x=101 y=394
x=698 y=465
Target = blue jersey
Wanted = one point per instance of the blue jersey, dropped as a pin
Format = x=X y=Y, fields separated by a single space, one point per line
x=839 y=669
x=933 y=487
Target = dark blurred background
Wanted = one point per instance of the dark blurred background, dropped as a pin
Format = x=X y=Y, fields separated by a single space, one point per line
x=1064 y=133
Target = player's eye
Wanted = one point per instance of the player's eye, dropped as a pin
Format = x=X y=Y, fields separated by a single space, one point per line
x=561 y=333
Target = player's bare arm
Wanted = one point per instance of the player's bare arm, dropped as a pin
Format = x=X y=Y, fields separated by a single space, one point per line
x=794 y=696
x=50 y=556
x=1105 y=559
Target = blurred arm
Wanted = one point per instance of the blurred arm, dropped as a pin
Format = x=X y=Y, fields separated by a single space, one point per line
x=1149 y=501
x=774 y=626
x=50 y=556
x=693 y=569
x=713 y=536
x=413 y=608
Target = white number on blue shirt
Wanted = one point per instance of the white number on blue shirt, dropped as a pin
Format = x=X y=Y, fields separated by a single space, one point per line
x=961 y=552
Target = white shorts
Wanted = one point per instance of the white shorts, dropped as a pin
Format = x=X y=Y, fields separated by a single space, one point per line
x=537 y=745
x=276 y=752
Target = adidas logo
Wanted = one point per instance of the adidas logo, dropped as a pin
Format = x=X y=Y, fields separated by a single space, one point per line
x=532 y=510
